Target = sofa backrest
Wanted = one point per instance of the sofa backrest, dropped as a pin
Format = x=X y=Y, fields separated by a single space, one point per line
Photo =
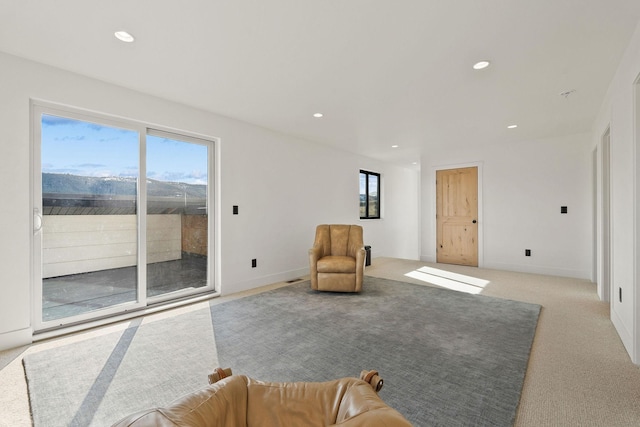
x=345 y=401
x=239 y=401
x=293 y=403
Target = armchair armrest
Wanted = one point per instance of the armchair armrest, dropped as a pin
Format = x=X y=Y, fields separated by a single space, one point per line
x=360 y=261
x=315 y=253
x=361 y=257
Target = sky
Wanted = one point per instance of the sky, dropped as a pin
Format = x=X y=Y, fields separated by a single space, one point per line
x=89 y=149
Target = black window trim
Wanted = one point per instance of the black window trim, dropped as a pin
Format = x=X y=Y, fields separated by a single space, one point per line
x=367 y=174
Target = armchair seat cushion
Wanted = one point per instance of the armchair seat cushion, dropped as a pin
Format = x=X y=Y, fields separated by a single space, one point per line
x=337 y=264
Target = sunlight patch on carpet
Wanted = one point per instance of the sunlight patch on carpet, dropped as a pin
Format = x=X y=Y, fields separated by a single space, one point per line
x=448 y=280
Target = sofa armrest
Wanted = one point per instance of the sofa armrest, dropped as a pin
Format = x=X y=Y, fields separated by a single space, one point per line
x=147 y=418
x=380 y=417
x=362 y=407
x=223 y=404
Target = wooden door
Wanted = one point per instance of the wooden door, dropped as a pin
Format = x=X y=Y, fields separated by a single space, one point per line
x=457 y=216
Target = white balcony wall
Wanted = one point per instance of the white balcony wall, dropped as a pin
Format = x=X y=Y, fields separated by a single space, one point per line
x=74 y=244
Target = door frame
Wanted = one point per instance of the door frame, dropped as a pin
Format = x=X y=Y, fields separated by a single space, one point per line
x=603 y=228
x=143 y=304
x=434 y=207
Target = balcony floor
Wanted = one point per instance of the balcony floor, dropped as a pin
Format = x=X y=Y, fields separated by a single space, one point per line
x=75 y=294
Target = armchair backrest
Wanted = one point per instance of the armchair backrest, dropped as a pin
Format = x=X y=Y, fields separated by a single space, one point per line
x=339 y=239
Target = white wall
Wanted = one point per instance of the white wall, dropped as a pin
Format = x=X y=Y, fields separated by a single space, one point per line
x=523 y=185
x=283 y=186
x=618 y=110
x=389 y=236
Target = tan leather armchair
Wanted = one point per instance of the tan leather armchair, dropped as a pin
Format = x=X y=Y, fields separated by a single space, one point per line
x=239 y=401
x=337 y=258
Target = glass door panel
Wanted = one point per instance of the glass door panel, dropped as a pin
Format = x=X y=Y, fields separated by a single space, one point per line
x=89 y=232
x=177 y=215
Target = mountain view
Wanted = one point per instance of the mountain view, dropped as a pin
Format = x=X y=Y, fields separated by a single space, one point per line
x=54 y=183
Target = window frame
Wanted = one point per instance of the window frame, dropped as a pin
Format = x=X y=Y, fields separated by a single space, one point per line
x=368 y=192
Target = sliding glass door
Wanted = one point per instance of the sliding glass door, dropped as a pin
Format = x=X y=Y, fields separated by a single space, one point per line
x=105 y=240
x=177 y=214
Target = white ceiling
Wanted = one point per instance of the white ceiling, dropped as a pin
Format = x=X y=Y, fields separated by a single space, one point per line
x=383 y=72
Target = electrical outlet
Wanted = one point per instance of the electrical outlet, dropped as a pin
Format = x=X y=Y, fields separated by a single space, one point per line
x=527 y=252
x=254 y=263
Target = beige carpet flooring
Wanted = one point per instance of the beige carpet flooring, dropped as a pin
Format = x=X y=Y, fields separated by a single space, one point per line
x=579 y=373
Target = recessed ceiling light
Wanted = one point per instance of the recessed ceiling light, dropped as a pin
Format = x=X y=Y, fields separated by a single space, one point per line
x=394 y=146
x=512 y=126
x=317 y=115
x=480 y=65
x=124 y=36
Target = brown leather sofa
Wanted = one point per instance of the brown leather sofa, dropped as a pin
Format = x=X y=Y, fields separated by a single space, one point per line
x=238 y=401
x=337 y=258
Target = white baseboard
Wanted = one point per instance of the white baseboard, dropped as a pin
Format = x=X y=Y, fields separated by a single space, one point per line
x=624 y=334
x=534 y=269
x=16 y=338
x=537 y=269
x=262 y=281
x=428 y=258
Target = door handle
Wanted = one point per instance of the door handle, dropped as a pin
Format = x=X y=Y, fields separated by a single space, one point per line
x=474 y=221
x=37 y=220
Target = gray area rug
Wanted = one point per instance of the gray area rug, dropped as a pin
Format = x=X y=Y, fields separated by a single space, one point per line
x=100 y=380
x=447 y=358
